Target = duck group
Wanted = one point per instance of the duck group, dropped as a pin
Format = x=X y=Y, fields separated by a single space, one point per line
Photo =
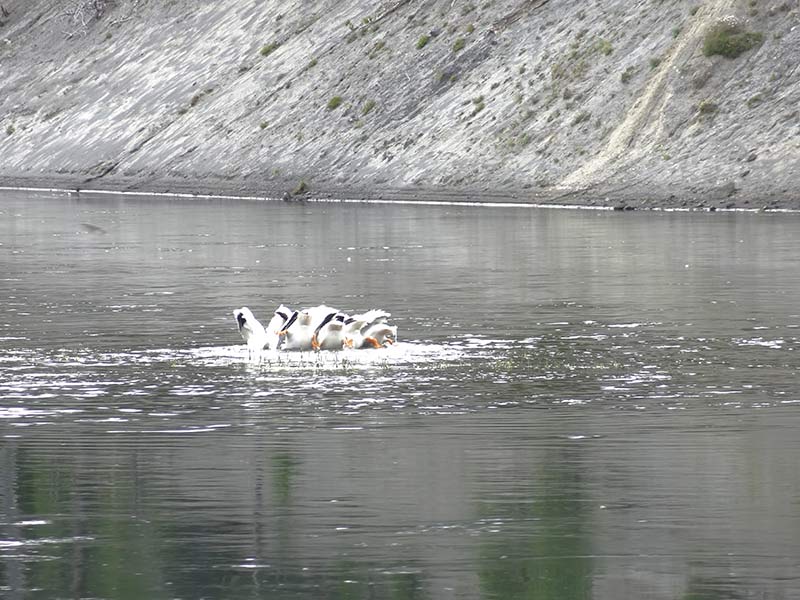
x=315 y=328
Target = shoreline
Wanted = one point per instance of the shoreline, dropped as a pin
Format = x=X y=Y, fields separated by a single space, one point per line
x=433 y=196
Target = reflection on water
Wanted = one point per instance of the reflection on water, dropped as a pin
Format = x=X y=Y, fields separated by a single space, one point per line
x=582 y=405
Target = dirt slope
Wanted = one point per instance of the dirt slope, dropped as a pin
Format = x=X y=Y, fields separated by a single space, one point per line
x=608 y=101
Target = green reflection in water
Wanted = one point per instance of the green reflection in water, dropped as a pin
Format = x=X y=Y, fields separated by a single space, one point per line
x=110 y=554
x=543 y=549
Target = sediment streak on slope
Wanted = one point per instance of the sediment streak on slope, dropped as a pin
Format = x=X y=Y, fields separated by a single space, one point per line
x=643 y=124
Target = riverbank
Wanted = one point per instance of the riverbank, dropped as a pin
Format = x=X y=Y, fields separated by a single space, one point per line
x=585 y=199
x=612 y=105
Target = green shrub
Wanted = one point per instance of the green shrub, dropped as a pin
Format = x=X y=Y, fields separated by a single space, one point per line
x=334 y=102
x=368 y=106
x=268 y=49
x=422 y=41
x=627 y=74
x=729 y=39
x=458 y=44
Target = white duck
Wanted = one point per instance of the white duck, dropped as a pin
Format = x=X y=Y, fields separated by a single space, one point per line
x=251 y=330
x=369 y=330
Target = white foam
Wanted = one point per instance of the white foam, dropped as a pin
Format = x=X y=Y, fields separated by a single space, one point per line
x=401 y=353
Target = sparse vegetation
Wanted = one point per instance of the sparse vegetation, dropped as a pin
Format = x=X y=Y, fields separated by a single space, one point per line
x=707 y=107
x=728 y=38
x=627 y=74
x=79 y=15
x=604 y=47
x=470 y=28
x=458 y=44
x=479 y=105
x=654 y=62
x=694 y=9
x=754 y=101
x=422 y=41
x=581 y=118
x=263 y=124
x=301 y=188
x=268 y=49
x=312 y=63
x=368 y=106
x=10 y=129
x=376 y=48
x=334 y=102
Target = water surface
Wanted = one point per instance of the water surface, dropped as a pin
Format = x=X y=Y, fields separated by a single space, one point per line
x=583 y=404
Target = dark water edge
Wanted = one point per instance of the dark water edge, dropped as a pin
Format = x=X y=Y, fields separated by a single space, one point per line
x=583 y=404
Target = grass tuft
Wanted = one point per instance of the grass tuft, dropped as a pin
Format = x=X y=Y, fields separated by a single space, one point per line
x=334 y=102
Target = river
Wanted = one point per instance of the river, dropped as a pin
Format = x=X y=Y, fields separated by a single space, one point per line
x=581 y=404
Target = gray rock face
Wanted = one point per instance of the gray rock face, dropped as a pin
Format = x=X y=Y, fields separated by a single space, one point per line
x=568 y=101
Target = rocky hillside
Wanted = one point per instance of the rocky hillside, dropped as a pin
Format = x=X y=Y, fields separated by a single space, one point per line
x=644 y=102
